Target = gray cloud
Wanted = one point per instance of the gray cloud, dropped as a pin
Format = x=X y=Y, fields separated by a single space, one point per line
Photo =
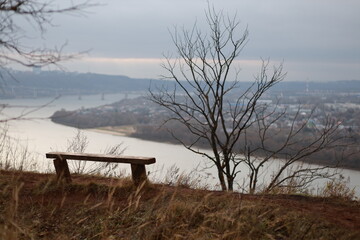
x=321 y=31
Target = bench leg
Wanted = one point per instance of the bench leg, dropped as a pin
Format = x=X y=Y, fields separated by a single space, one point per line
x=62 y=170
x=138 y=173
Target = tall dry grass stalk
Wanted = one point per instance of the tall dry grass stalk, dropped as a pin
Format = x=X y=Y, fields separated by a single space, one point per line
x=79 y=143
x=11 y=228
x=338 y=188
x=13 y=154
x=194 y=179
x=122 y=211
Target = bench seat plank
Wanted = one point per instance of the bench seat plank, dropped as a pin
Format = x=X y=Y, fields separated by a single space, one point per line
x=101 y=158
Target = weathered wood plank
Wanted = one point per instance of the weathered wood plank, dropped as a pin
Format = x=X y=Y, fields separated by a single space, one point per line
x=62 y=170
x=138 y=173
x=138 y=169
x=101 y=158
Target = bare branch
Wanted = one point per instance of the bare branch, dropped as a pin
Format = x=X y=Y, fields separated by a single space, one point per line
x=39 y=15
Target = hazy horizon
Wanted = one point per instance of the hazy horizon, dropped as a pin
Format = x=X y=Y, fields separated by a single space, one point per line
x=316 y=40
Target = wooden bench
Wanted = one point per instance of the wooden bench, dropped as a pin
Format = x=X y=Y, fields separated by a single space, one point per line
x=138 y=170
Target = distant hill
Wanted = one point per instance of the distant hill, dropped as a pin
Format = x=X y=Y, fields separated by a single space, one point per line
x=55 y=82
x=333 y=86
x=52 y=83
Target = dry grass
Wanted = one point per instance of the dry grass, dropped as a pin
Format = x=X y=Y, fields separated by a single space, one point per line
x=33 y=206
x=338 y=188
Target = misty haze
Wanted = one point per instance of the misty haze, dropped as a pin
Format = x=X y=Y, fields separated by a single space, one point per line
x=177 y=119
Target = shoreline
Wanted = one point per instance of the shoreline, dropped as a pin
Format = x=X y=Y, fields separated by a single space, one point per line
x=128 y=130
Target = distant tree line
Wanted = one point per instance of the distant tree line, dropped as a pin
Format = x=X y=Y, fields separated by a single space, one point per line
x=148 y=126
x=79 y=120
x=348 y=158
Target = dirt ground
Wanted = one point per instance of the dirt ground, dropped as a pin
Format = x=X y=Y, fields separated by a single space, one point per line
x=337 y=211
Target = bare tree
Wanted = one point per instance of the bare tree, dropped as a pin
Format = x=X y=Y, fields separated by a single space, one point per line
x=209 y=102
x=276 y=135
x=38 y=14
x=13 y=49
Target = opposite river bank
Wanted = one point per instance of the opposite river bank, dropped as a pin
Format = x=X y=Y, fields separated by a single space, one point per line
x=42 y=135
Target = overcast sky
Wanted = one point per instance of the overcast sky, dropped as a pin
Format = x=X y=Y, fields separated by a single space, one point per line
x=318 y=40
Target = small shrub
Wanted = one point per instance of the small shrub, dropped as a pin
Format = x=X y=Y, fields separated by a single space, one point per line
x=338 y=188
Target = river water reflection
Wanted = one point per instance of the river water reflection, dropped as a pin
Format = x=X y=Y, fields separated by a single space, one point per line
x=41 y=135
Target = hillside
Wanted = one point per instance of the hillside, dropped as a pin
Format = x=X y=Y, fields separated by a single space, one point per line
x=32 y=206
x=26 y=84
x=54 y=83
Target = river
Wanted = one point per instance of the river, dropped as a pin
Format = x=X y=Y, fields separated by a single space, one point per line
x=41 y=136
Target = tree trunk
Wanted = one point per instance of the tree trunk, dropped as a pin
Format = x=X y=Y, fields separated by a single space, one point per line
x=230 y=181
x=221 y=178
x=229 y=178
